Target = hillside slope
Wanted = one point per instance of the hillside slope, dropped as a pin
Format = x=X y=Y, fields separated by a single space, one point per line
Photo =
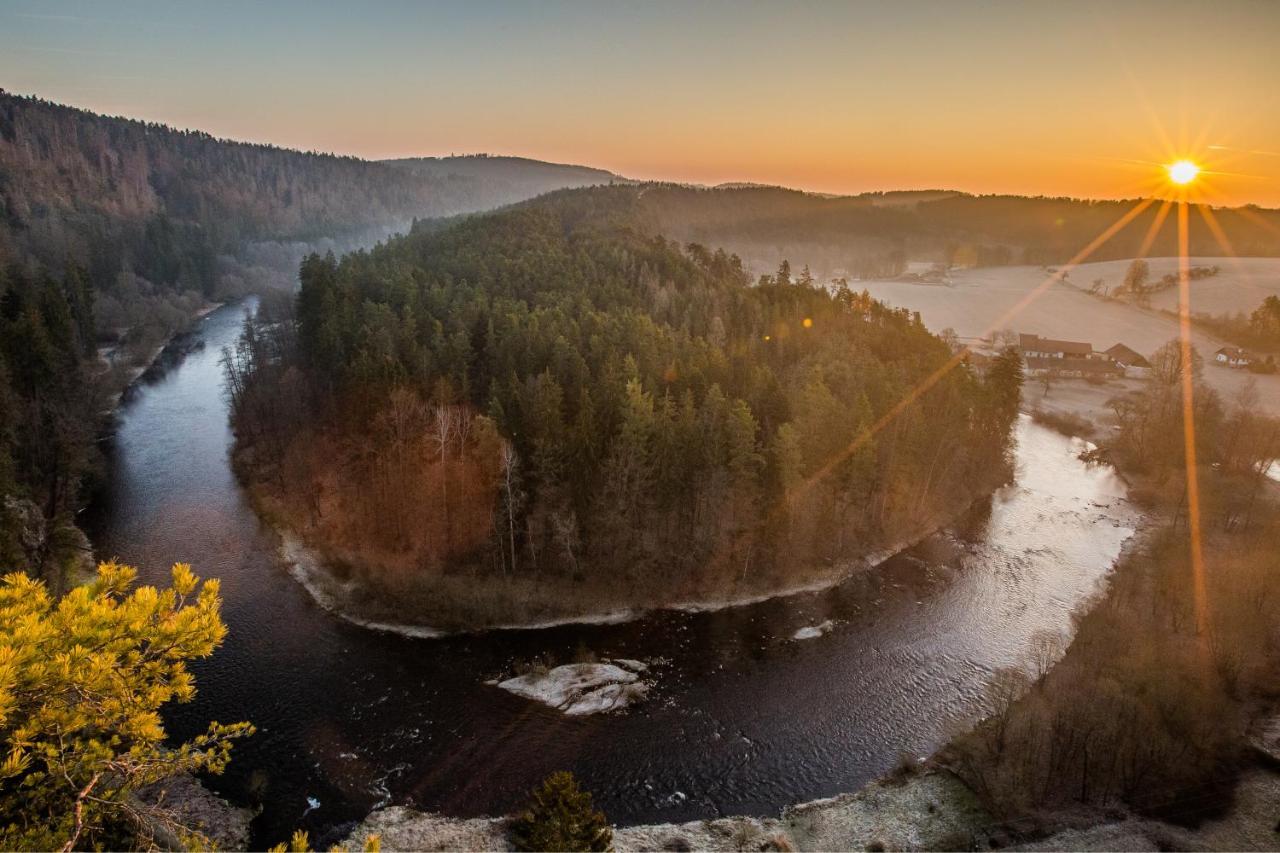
x=493 y=181
x=114 y=232
x=174 y=208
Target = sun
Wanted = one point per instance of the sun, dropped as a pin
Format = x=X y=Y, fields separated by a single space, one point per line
x=1183 y=172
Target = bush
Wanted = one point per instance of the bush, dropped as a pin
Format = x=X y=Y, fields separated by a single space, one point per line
x=560 y=816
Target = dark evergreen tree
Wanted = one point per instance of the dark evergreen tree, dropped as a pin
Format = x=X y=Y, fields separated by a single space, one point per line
x=560 y=816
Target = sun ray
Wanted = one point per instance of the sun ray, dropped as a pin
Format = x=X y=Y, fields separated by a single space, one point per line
x=1257 y=219
x=1156 y=223
x=1206 y=130
x=936 y=376
x=1188 y=418
x=1156 y=125
x=1220 y=235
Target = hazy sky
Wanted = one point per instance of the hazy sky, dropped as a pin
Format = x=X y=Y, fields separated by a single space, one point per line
x=1026 y=97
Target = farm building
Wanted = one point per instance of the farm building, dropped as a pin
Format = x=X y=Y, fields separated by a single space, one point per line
x=1050 y=357
x=1132 y=362
x=1233 y=357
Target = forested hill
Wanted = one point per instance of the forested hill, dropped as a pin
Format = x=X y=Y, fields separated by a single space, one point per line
x=169 y=206
x=495 y=181
x=875 y=234
x=552 y=409
x=114 y=232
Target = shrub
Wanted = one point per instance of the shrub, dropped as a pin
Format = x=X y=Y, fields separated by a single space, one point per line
x=560 y=816
x=1067 y=423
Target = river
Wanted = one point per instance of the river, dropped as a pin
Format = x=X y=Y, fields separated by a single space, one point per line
x=742 y=720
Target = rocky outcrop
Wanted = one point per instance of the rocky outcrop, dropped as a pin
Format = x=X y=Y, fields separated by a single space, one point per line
x=22 y=533
x=58 y=552
x=177 y=806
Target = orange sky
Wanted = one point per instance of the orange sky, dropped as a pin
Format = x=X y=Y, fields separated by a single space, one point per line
x=1081 y=99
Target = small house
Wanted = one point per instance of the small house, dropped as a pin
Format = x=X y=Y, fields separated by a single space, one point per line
x=1051 y=357
x=1127 y=356
x=1233 y=357
x=1132 y=362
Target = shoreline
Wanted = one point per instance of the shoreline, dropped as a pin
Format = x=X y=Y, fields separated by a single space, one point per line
x=924 y=808
x=308 y=568
x=142 y=368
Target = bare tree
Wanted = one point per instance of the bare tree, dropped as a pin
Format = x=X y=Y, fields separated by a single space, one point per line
x=444 y=423
x=565 y=523
x=509 y=461
x=1006 y=687
x=1046 y=648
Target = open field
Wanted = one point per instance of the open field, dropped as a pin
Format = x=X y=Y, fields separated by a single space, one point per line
x=1241 y=285
x=979 y=299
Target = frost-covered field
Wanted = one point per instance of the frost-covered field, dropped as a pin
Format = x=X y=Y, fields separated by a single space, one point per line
x=1240 y=286
x=979 y=300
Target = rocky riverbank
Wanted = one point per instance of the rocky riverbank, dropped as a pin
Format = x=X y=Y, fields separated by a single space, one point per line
x=926 y=811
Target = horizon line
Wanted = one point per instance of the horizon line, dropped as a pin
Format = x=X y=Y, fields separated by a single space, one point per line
x=722 y=185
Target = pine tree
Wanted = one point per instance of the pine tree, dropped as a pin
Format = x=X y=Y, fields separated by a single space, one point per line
x=1004 y=384
x=82 y=680
x=561 y=816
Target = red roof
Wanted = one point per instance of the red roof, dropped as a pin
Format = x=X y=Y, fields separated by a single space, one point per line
x=1035 y=343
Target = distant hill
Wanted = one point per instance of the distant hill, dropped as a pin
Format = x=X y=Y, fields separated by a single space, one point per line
x=492 y=181
x=875 y=234
x=157 y=216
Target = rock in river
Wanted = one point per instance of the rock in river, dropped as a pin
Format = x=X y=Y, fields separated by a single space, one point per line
x=809 y=632
x=583 y=688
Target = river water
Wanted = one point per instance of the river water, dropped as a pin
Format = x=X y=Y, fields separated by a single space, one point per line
x=742 y=720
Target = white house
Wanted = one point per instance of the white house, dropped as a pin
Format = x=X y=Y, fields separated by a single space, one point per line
x=1233 y=357
x=1050 y=357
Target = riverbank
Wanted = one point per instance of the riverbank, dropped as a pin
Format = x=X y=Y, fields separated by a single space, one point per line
x=1171 y=675
x=925 y=810
x=918 y=807
x=1077 y=407
x=343 y=597
x=56 y=549
x=928 y=810
x=123 y=378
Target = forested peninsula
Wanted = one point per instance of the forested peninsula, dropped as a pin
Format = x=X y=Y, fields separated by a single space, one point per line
x=552 y=411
